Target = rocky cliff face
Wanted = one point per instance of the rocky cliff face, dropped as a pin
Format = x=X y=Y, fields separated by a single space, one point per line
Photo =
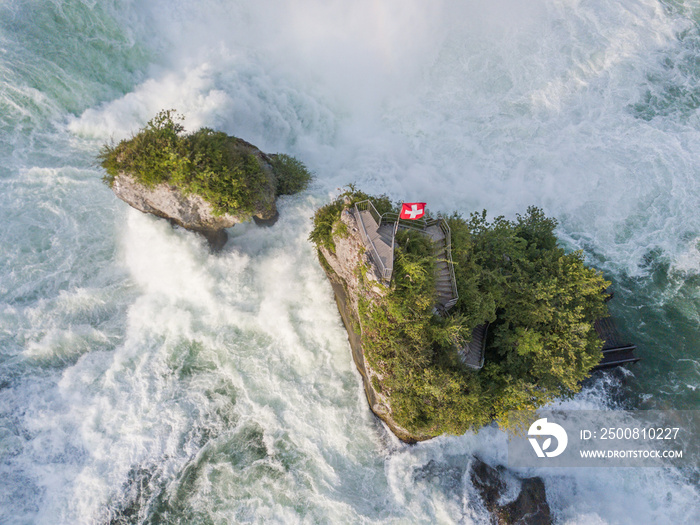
x=343 y=271
x=192 y=211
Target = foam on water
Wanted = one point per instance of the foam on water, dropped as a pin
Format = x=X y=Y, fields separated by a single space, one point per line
x=461 y=98
x=143 y=379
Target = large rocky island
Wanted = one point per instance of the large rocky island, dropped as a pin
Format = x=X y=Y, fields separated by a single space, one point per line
x=204 y=181
x=412 y=336
x=415 y=297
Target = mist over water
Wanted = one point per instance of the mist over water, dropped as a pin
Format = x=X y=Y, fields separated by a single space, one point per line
x=144 y=380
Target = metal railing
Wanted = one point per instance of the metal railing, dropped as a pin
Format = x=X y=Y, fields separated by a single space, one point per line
x=448 y=250
x=420 y=225
x=385 y=272
x=414 y=224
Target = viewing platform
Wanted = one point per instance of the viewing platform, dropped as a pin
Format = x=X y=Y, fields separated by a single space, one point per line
x=379 y=240
x=616 y=351
x=378 y=232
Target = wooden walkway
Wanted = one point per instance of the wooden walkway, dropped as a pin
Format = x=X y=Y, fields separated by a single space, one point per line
x=443 y=275
x=616 y=351
x=381 y=239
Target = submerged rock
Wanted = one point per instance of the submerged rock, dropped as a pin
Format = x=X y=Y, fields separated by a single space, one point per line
x=529 y=508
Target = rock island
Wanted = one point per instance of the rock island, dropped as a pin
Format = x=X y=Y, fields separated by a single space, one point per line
x=455 y=322
x=204 y=181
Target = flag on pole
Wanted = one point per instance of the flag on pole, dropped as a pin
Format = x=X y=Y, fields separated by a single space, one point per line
x=412 y=210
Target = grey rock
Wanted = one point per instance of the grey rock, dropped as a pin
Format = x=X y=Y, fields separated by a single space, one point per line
x=340 y=267
x=529 y=508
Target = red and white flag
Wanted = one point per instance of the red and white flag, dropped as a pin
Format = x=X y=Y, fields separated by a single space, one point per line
x=412 y=210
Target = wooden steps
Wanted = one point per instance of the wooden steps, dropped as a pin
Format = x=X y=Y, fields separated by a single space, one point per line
x=443 y=276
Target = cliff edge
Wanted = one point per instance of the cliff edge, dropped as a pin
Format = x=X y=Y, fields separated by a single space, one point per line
x=344 y=269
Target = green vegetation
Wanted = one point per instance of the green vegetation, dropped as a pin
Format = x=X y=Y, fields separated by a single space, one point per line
x=327 y=218
x=541 y=303
x=219 y=168
x=292 y=175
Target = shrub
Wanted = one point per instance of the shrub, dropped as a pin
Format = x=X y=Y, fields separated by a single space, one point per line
x=292 y=175
x=327 y=216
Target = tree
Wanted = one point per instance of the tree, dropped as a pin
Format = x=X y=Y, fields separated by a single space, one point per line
x=542 y=303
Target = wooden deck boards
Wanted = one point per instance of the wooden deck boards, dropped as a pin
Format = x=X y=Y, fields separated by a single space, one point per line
x=435 y=233
x=616 y=351
x=607 y=331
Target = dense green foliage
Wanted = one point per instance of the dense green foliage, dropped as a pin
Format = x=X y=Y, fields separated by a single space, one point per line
x=541 y=303
x=208 y=163
x=292 y=175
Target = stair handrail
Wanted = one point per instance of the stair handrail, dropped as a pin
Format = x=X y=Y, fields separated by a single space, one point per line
x=442 y=223
x=419 y=225
x=366 y=205
x=412 y=224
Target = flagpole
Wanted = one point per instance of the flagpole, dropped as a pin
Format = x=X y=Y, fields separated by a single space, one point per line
x=398 y=218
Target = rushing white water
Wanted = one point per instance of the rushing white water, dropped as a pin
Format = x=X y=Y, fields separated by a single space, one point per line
x=143 y=379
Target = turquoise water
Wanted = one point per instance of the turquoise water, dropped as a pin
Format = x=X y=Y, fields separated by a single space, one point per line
x=144 y=380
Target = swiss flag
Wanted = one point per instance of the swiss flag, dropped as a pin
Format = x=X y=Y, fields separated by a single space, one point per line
x=412 y=210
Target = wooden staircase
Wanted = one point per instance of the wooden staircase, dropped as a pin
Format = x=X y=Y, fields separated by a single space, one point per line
x=378 y=235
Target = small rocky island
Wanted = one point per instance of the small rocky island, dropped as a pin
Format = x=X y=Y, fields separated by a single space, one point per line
x=529 y=306
x=204 y=181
